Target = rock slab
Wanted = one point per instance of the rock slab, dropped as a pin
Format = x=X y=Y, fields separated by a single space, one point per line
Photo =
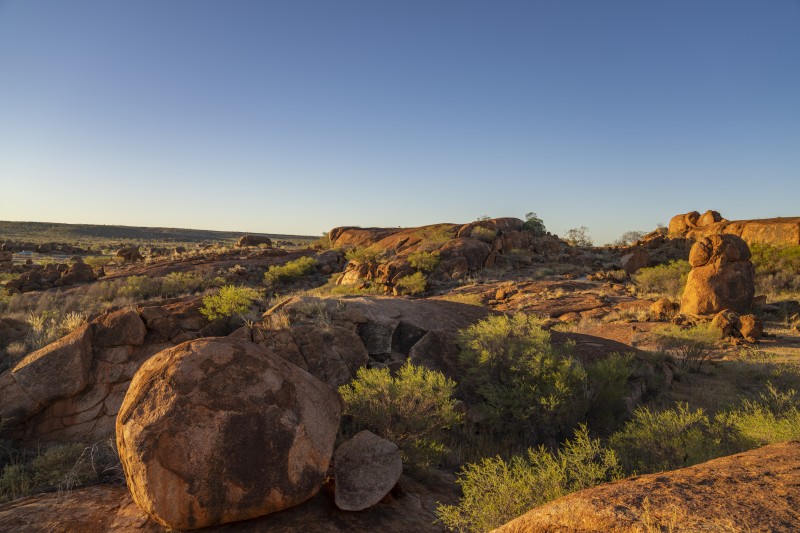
x=366 y=468
x=219 y=430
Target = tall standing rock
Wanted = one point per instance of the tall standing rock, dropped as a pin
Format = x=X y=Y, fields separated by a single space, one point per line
x=722 y=276
x=220 y=430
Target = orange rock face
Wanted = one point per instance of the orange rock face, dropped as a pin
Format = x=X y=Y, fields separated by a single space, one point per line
x=722 y=277
x=219 y=430
x=752 y=491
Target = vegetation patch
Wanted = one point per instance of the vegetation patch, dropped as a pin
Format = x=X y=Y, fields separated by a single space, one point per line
x=228 y=301
x=410 y=409
x=291 y=271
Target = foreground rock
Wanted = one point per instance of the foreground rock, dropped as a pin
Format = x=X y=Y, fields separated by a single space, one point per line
x=219 y=430
x=366 y=468
x=752 y=491
x=109 y=508
x=722 y=277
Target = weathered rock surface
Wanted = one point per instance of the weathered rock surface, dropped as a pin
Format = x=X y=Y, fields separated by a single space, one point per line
x=366 y=468
x=72 y=389
x=220 y=430
x=56 y=371
x=752 y=491
x=634 y=261
x=110 y=508
x=722 y=276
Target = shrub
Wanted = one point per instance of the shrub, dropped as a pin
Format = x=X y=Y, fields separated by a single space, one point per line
x=667 y=280
x=424 y=261
x=777 y=268
x=774 y=416
x=655 y=441
x=578 y=237
x=139 y=288
x=607 y=387
x=409 y=409
x=370 y=254
x=629 y=237
x=522 y=383
x=413 y=284
x=496 y=491
x=97 y=261
x=534 y=224
x=291 y=271
x=691 y=347
x=15 y=482
x=228 y=301
x=483 y=234
x=178 y=283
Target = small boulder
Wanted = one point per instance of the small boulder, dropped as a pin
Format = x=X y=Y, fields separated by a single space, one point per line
x=635 y=261
x=727 y=322
x=120 y=328
x=663 y=309
x=366 y=467
x=751 y=327
x=220 y=430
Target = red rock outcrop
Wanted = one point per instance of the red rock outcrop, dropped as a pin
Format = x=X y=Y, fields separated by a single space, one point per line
x=722 y=277
x=773 y=231
x=751 y=491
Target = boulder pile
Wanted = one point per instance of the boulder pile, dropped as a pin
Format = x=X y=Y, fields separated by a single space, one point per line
x=722 y=277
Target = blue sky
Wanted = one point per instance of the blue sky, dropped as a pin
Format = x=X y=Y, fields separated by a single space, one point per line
x=297 y=116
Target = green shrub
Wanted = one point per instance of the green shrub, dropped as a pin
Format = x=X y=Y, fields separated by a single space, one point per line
x=606 y=388
x=291 y=271
x=654 y=441
x=777 y=269
x=228 y=301
x=534 y=224
x=691 y=346
x=97 y=261
x=59 y=464
x=409 y=409
x=139 y=288
x=496 y=491
x=774 y=416
x=424 y=261
x=178 y=283
x=522 y=383
x=667 y=280
x=413 y=284
x=371 y=254
x=15 y=482
x=483 y=234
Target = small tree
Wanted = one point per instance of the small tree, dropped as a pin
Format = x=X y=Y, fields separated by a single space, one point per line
x=409 y=409
x=578 y=237
x=534 y=224
x=629 y=237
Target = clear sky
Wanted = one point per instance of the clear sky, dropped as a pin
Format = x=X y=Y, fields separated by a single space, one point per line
x=297 y=116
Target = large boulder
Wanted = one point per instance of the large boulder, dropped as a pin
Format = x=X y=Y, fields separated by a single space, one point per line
x=366 y=467
x=220 y=430
x=722 y=276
